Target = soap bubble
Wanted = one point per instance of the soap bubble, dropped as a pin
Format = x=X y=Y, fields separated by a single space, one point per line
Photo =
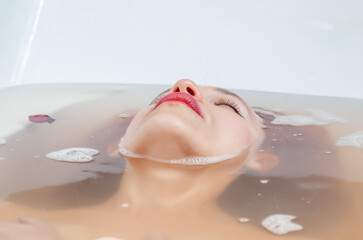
x=75 y=155
x=353 y=140
x=281 y=224
x=243 y=220
x=264 y=181
x=124 y=115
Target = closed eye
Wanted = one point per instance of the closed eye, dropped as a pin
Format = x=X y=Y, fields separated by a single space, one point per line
x=226 y=102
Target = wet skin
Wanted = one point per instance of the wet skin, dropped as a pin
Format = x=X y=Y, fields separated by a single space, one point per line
x=224 y=124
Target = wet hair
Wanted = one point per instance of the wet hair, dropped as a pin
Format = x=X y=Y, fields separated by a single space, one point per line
x=302 y=184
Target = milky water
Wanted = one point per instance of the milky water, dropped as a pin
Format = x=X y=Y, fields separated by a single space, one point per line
x=73 y=166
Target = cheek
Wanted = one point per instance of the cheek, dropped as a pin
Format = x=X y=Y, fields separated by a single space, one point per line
x=136 y=123
x=235 y=131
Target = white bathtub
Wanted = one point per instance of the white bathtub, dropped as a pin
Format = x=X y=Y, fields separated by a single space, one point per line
x=309 y=47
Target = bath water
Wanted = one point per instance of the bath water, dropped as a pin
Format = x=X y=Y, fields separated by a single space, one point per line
x=315 y=191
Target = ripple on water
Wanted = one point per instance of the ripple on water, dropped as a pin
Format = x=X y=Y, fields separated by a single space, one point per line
x=75 y=155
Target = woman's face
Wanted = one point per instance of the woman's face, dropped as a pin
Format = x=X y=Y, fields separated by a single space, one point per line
x=193 y=121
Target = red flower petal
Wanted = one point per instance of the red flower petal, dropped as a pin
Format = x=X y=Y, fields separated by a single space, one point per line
x=41 y=118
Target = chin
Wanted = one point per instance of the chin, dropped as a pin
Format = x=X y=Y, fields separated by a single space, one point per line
x=164 y=136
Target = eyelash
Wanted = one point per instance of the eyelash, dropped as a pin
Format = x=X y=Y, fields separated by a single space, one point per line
x=231 y=104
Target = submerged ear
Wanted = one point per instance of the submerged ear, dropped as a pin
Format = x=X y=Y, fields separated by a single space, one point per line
x=263 y=162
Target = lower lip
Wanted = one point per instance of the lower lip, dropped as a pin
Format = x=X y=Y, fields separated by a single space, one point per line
x=183 y=98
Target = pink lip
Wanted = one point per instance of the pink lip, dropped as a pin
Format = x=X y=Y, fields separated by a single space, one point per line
x=181 y=97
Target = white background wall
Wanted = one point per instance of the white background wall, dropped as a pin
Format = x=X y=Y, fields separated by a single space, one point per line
x=295 y=46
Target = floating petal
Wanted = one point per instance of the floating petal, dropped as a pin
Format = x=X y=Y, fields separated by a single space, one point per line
x=40 y=118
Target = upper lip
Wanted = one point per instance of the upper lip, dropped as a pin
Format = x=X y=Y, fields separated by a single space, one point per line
x=184 y=98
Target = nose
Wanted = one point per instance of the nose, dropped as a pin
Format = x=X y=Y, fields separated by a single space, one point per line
x=188 y=86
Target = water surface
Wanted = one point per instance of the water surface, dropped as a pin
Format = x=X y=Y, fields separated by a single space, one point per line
x=317 y=181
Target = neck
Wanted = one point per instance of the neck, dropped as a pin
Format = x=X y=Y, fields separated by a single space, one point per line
x=162 y=186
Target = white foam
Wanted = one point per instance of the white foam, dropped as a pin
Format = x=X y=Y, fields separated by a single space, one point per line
x=264 y=181
x=125 y=205
x=280 y=224
x=123 y=115
x=2 y=141
x=192 y=160
x=353 y=140
x=317 y=117
x=1 y=158
x=243 y=220
x=75 y=154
